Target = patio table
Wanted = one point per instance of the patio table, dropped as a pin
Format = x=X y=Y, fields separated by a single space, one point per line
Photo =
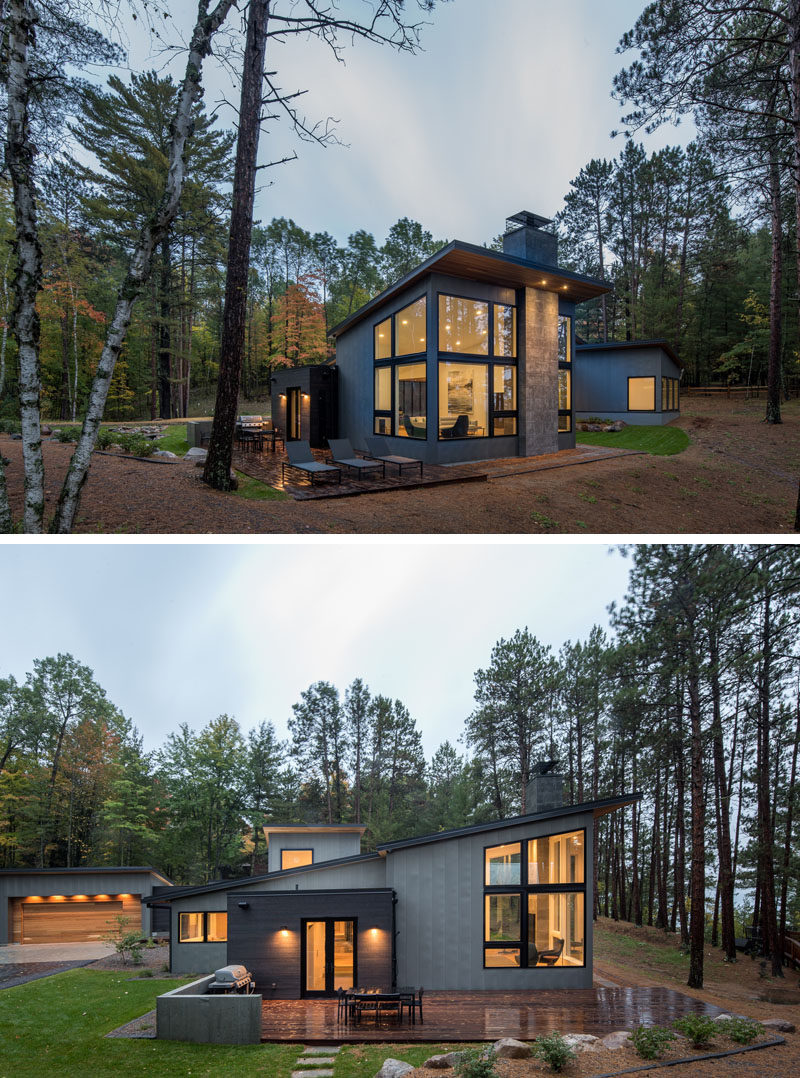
x=354 y=996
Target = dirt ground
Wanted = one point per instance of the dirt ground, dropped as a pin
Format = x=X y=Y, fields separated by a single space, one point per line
x=738 y=476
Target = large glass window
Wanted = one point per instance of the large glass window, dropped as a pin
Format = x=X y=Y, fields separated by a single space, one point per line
x=296 y=858
x=564 y=339
x=556 y=859
x=641 y=394
x=210 y=927
x=502 y=919
x=463 y=326
x=504 y=400
x=564 y=374
x=216 y=927
x=564 y=390
x=505 y=331
x=383 y=389
x=463 y=400
x=410 y=400
x=191 y=928
x=410 y=329
x=504 y=865
x=555 y=930
x=501 y=957
x=383 y=340
x=669 y=394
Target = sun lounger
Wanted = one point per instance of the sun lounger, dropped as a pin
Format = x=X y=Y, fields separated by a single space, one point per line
x=300 y=457
x=343 y=455
x=378 y=449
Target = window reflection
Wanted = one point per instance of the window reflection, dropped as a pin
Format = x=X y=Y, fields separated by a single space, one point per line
x=463 y=400
x=503 y=864
x=505 y=331
x=463 y=325
x=383 y=389
x=556 y=858
x=564 y=339
x=564 y=390
x=556 y=929
x=410 y=329
x=502 y=918
x=410 y=403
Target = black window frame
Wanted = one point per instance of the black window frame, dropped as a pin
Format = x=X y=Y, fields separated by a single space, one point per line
x=566 y=365
x=488 y=359
x=524 y=889
x=392 y=361
x=204 y=914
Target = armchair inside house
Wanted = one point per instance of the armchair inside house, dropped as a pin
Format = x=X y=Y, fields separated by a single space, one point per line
x=551 y=956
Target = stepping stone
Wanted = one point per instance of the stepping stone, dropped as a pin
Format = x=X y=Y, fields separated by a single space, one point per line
x=315 y=1061
x=321 y=1050
x=323 y=1073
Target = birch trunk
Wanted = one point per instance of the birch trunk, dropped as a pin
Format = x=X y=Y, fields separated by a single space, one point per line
x=141 y=261
x=217 y=472
x=20 y=151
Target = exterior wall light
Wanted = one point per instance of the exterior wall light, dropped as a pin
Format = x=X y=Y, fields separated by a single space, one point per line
x=284 y=930
x=243 y=905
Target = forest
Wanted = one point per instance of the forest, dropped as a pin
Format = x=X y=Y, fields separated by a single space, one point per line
x=689 y=694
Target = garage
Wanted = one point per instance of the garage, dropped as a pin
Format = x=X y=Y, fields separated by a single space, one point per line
x=73 y=919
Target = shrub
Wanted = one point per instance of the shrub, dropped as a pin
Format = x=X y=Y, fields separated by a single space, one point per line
x=698 y=1029
x=741 y=1030
x=126 y=944
x=67 y=434
x=136 y=444
x=649 y=1042
x=106 y=437
x=146 y=973
x=553 y=1050
x=476 y=1063
x=10 y=426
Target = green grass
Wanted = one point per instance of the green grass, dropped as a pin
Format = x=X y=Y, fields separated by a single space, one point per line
x=174 y=440
x=660 y=441
x=57 y=1025
x=253 y=490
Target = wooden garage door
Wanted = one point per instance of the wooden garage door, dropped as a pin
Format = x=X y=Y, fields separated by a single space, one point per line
x=72 y=920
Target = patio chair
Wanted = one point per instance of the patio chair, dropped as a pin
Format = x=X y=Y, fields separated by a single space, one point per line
x=459 y=429
x=378 y=449
x=343 y=455
x=549 y=958
x=414 y=1004
x=301 y=458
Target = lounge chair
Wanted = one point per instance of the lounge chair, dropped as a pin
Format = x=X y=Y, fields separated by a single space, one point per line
x=343 y=455
x=459 y=429
x=300 y=457
x=412 y=430
x=549 y=958
x=378 y=449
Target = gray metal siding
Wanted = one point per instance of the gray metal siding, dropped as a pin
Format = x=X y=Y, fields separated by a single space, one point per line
x=326 y=847
x=600 y=383
x=73 y=883
x=440 y=913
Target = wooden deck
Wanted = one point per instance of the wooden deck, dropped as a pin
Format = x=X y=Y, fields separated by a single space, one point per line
x=486 y=1016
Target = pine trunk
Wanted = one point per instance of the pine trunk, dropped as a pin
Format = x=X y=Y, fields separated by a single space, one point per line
x=217 y=472
x=697 y=921
x=775 y=289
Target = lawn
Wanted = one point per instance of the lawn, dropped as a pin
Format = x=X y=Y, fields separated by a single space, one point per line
x=175 y=440
x=253 y=490
x=660 y=441
x=57 y=1025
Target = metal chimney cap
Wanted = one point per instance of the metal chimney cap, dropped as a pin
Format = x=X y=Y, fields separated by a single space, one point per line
x=526 y=219
x=544 y=767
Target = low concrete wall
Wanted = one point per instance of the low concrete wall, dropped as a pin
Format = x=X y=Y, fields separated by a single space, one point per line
x=188 y=1014
x=195 y=430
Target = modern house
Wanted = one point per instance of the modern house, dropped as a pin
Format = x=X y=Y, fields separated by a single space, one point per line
x=501 y=905
x=71 y=905
x=467 y=357
x=636 y=381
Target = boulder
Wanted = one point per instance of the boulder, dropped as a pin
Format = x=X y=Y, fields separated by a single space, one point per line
x=16 y=437
x=197 y=454
x=582 y=1042
x=438 y=1063
x=46 y=430
x=616 y=1040
x=781 y=1025
x=722 y=1017
x=617 y=425
x=394 y=1068
x=165 y=454
x=508 y=1048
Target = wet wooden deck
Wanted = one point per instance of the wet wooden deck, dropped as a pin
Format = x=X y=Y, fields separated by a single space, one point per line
x=486 y=1016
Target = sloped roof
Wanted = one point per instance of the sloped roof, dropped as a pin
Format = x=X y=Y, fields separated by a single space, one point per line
x=611 y=346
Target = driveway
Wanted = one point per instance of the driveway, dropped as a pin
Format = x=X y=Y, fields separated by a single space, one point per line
x=27 y=962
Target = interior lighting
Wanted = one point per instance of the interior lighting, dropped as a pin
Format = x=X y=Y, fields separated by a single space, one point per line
x=405 y=321
x=544 y=282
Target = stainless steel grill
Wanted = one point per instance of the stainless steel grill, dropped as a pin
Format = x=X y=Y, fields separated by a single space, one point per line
x=232 y=978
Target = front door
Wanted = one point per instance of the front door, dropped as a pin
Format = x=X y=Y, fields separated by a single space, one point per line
x=328 y=956
x=293 y=413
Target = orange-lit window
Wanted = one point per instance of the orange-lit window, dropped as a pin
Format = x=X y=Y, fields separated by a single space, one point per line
x=296 y=858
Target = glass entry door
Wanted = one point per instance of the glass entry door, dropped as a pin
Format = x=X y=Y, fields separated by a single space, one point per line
x=329 y=956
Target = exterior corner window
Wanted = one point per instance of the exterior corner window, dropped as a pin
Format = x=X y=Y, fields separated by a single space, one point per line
x=505 y=331
x=502 y=921
x=463 y=400
x=564 y=390
x=216 y=927
x=501 y=957
x=555 y=929
x=504 y=400
x=642 y=394
x=383 y=424
x=190 y=928
x=564 y=424
x=669 y=394
x=410 y=329
x=564 y=339
x=296 y=858
x=383 y=339
x=411 y=408
x=463 y=326
x=503 y=865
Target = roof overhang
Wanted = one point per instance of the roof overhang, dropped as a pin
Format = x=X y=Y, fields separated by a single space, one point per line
x=612 y=346
x=321 y=829
x=459 y=259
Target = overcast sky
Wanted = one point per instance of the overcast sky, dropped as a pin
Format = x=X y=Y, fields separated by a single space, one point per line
x=182 y=633
x=504 y=105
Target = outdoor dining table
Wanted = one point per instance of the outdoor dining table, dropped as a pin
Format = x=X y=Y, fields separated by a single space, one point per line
x=354 y=996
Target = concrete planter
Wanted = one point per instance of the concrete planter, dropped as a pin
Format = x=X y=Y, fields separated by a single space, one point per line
x=188 y=1014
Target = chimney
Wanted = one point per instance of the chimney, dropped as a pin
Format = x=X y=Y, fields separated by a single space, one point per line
x=545 y=790
x=525 y=238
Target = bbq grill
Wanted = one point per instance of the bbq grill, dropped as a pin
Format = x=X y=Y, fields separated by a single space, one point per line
x=232 y=978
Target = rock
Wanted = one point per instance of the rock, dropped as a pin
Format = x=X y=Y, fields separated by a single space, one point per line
x=616 y=1040
x=508 y=1048
x=617 y=425
x=16 y=437
x=582 y=1042
x=782 y=1025
x=197 y=454
x=596 y=428
x=46 y=430
x=165 y=454
x=394 y=1068
x=722 y=1017
x=443 y=1061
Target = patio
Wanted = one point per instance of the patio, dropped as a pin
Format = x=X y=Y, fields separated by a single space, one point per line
x=486 y=1016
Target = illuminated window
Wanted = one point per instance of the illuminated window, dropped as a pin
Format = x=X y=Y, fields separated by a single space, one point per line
x=504 y=865
x=463 y=326
x=564 y=339
x=555 y=930
x=383 y=340
x=191 y=929
x=641 y=394
x=410 y=329
x=410 y=400
x=669 y=394
x=505 y=331
x=296 y=858
x=556 y=858
x=501 y=957
x=564 y=390
x=502 y=919
x=216 y=927
x=463 y=400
